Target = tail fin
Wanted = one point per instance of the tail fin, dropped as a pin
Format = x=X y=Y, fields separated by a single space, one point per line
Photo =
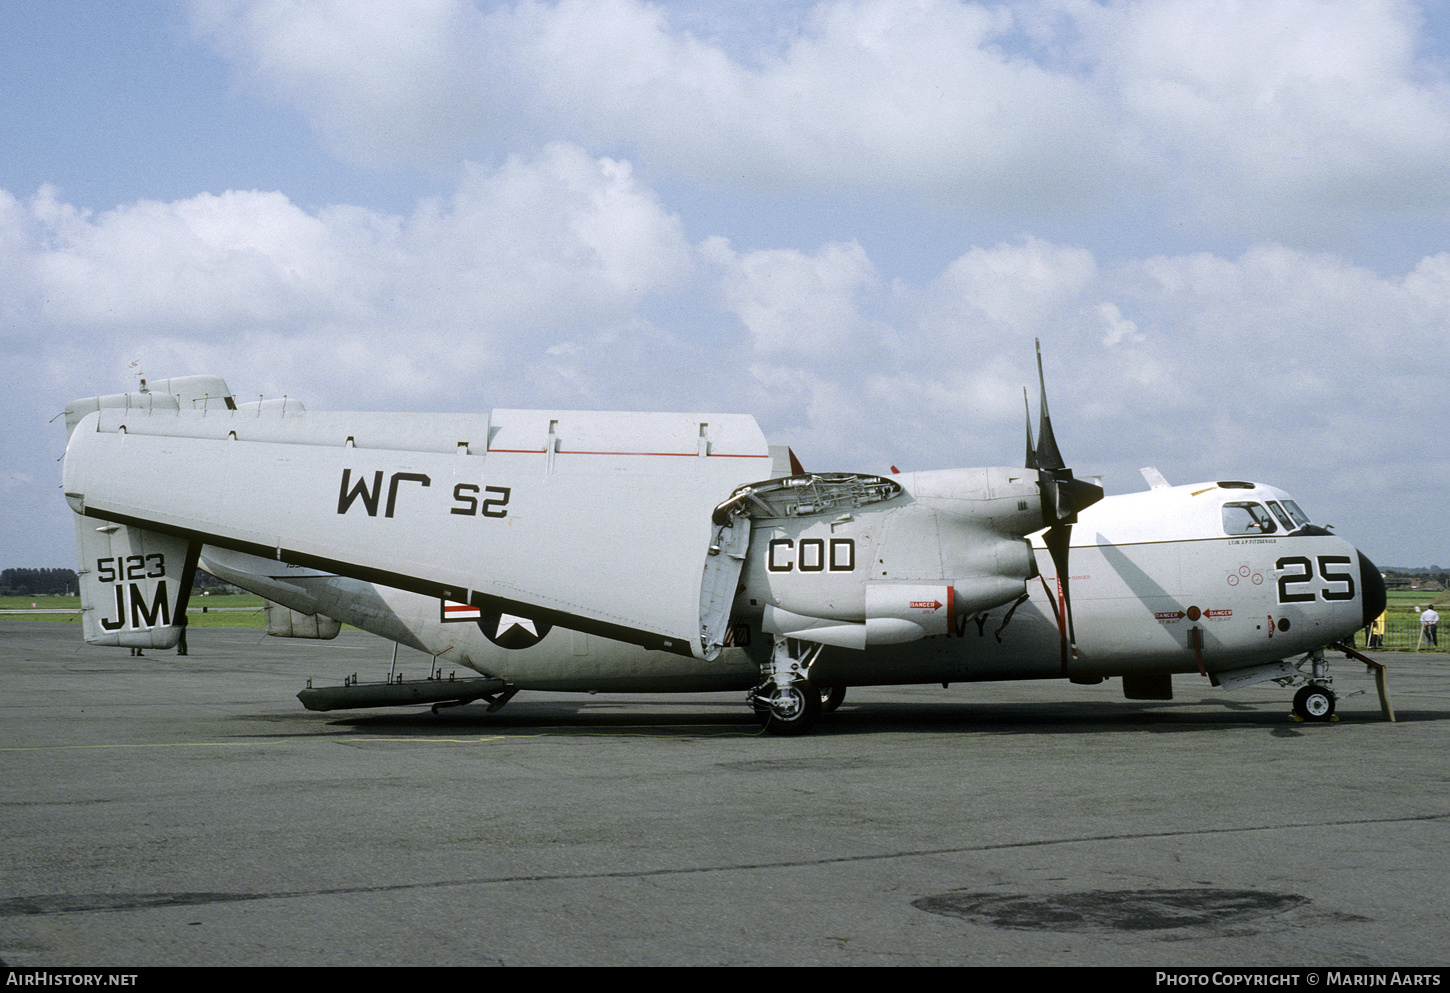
x=135 y=583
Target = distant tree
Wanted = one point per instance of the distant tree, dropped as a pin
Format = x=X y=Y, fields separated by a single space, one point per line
x=37 y=582
x=206 y=581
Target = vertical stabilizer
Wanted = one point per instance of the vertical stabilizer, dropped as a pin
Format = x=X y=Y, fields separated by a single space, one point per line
x=134 y=584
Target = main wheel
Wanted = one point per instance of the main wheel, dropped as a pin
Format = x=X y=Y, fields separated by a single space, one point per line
x=794 y=710
x=831 y=698
x=1314 y=703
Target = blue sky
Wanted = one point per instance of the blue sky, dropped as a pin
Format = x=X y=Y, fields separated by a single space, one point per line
x=1225 y=220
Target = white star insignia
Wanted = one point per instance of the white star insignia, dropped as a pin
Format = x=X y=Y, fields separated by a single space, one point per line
x=507 y=622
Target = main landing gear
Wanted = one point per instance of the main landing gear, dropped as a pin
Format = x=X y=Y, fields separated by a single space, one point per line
x=831 y=698
x=786 y=701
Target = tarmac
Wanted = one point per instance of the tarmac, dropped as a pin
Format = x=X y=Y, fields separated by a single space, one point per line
x=169 y=810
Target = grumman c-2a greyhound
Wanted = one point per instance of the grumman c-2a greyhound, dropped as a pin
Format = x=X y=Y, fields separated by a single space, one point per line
x=598 y=551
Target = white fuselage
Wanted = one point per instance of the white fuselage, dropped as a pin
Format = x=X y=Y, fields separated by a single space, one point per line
x=591 y=550
x=1158 y=583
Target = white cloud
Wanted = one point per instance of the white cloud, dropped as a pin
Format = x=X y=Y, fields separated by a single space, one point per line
x=1021 y=290
x=1279 y=363
x=1261 y=106
x=866 y=93
x=533 y=248
x=555 y=241
x=1428 y=286
x=863 y=93
x=546 y=268
x=793 y=302
x=205 y=262
x=1116 y=328
x=387 y=81
x=1257 y=116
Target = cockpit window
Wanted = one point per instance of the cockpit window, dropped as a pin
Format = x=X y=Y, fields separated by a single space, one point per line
x=1247 y=518
x=1300 y=518
x=1281 y=515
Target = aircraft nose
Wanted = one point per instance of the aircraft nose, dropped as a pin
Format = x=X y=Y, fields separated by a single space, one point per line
x=1372 y=590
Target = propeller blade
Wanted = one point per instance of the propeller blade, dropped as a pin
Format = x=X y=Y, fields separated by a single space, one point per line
x=1062 y=497
x=1031 y=460
x=1048 y=457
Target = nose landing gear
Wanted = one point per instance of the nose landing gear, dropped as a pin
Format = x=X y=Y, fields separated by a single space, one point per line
x=1314 y=703
x=1315 y=700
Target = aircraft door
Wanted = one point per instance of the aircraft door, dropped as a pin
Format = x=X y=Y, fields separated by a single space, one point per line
x=725 y=557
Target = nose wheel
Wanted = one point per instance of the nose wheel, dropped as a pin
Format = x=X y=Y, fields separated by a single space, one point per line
x=1314 y=703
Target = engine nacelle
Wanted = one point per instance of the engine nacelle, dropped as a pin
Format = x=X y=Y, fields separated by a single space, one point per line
x=854 y=561
x=896 y=613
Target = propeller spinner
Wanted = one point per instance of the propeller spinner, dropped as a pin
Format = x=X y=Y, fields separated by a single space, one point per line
x=1062 y=498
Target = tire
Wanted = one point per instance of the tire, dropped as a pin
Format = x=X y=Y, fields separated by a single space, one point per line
x=799 y=709
x=1314 y=703
x=831 y=698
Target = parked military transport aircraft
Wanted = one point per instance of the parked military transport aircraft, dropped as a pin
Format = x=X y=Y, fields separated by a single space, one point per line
x=569 y=550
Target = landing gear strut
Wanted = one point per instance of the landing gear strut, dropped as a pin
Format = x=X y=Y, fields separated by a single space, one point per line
x=786 y=700
x=1315 y=701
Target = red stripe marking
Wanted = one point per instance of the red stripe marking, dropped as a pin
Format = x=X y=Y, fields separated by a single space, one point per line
x=693 y=455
